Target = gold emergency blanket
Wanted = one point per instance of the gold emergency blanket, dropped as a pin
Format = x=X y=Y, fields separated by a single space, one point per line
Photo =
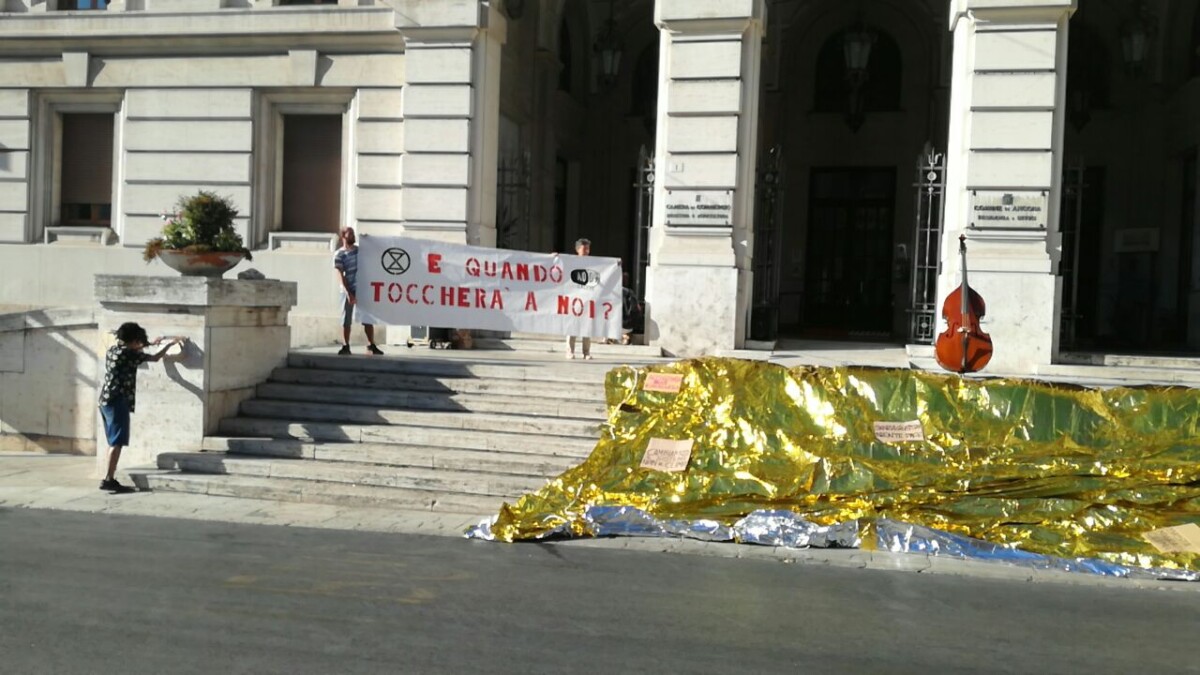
x=1046 y=468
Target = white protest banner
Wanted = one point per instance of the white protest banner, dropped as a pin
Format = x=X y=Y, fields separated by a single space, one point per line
x=417 y=282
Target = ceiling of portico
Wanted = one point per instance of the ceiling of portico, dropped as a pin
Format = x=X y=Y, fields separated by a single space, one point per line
x=797 y=30
x=799 y=15
x=627 y=15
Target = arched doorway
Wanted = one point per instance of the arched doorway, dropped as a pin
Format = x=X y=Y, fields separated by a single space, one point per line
x=853 y=94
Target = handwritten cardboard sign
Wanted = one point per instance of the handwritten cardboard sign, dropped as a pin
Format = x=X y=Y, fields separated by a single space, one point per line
x=896 y=432
x=1178 y=539
x=665 y=382
x=666 y=455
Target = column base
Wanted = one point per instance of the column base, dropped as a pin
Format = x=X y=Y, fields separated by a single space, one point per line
x=1021 y=319
x=692 y=311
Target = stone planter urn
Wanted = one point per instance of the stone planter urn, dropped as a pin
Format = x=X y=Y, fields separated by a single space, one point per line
x=212 y=264
x=199 y=239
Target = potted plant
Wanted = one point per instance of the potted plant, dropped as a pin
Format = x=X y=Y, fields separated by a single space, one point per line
x=199 y=238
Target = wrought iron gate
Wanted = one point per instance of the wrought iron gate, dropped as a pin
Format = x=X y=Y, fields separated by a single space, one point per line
x=768 y=230
x=643 y=202
x=926 y=256
x=1068 y=265
x=514 y=197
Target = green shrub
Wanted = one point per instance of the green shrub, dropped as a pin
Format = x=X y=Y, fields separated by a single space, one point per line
x=202 y=223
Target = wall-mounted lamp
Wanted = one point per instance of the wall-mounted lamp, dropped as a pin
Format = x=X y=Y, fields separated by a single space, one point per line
x=856 y=49
x=1079 y=108
x=514 y=9
x=608 y=50
x=1136 y=37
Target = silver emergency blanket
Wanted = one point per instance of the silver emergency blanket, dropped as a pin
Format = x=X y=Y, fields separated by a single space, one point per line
x=765 y=527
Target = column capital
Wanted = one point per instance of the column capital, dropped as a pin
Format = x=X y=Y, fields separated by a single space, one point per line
x=1010 y=11
x=709 y=16
x=124 y=289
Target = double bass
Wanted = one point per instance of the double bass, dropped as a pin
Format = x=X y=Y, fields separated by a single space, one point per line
x=963 y=347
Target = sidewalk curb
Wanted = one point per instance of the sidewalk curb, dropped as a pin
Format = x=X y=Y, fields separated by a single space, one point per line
x=214 y=508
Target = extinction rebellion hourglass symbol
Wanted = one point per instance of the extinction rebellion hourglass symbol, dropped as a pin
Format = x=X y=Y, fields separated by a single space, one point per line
x=395 y=261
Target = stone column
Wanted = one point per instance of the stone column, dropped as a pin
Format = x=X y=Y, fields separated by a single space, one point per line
x=699 y=283
x=451 y=107
x=237 y=334
x=1004 y=170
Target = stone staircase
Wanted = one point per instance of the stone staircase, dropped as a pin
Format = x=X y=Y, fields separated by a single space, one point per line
x=453 y=431
x=449 y=431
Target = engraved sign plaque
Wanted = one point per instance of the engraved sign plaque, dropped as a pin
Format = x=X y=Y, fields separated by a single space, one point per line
x=699 y=208
x=997 y=210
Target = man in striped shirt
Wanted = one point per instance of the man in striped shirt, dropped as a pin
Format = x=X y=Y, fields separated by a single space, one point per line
x=345 y=265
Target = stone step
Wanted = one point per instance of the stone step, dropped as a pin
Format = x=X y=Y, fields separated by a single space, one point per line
x=578 y=446
x=542 y=345
x=411 y=478
x=1136 y=362
x=331 y=412
x=1119 y=375
x=318 y=492
x=442 y=384
x=471 y=365
x=420 y=400
x=490 y=461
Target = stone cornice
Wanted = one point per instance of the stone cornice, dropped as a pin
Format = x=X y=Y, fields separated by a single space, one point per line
x=241 y=23
x=443 y=14
x=450 y=21
x=325 y=43
x=382 y=28
x=123 y=290
x=439 y=34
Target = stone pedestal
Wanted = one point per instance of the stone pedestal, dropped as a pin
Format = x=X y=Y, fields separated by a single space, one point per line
x=237 y=334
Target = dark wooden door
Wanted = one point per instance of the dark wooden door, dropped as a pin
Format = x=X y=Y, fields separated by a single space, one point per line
x=848 y=278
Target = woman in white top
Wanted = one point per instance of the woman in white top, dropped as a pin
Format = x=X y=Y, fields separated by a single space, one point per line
x=582 y=247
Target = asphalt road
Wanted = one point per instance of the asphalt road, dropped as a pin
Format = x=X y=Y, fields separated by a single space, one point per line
x=85 y=593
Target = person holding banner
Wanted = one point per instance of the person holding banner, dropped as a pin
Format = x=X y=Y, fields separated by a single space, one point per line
x=583 y=247
x=345 y=265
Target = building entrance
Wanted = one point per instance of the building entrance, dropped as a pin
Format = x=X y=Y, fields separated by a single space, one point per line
x=848 y=278
x=852 y=93
x=1128 y=218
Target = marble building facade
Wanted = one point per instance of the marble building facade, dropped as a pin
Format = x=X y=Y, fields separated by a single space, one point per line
x=1061 y=134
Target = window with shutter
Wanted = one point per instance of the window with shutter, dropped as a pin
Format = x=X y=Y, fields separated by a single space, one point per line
x=312 y=173
x=71 y=5
x=87 y=169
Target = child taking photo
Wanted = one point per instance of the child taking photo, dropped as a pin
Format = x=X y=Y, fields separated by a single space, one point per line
x=119 y=392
